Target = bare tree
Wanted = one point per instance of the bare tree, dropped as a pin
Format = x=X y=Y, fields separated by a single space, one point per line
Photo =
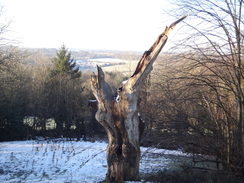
x=214 y=69
x=13 y=95
x=119 y=116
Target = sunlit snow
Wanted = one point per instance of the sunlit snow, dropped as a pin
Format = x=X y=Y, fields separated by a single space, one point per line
x=57 y=161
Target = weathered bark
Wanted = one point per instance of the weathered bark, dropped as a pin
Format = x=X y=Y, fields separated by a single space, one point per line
x=118 y=114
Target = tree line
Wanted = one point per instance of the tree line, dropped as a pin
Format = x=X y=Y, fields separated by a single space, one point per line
x=37 y=90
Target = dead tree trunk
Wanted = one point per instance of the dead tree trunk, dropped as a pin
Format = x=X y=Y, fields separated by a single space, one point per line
x=118 y=114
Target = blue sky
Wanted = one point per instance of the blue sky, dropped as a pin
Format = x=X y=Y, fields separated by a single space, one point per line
x=131 y=25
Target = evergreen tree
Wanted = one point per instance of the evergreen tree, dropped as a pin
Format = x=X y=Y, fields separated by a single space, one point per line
x=65 y=90
x=64 y=64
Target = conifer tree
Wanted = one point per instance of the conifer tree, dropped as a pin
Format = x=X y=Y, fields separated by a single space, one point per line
x=64 y=88
x=64 y=64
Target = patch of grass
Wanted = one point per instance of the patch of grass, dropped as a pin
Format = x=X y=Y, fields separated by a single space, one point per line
x=191 y=176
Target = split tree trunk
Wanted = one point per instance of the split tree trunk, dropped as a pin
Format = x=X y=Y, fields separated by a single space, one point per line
x=118 y=114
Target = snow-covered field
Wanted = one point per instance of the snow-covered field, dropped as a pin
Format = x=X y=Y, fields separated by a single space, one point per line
x=62 y=161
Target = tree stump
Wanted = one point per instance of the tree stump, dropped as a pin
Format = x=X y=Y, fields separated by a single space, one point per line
x=118 y=114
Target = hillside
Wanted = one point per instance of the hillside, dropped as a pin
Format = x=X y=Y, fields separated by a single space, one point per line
x=87 y=60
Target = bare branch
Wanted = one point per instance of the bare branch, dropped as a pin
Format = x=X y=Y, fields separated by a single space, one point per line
x=145 y=64
x=100 y=88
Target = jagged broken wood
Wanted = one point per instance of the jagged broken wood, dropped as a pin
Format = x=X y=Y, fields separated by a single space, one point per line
x=118 y=114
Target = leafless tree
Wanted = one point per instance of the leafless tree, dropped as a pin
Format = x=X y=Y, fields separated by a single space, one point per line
x=213 y=69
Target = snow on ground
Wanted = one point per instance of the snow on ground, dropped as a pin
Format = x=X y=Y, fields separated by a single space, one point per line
x=59 y=161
